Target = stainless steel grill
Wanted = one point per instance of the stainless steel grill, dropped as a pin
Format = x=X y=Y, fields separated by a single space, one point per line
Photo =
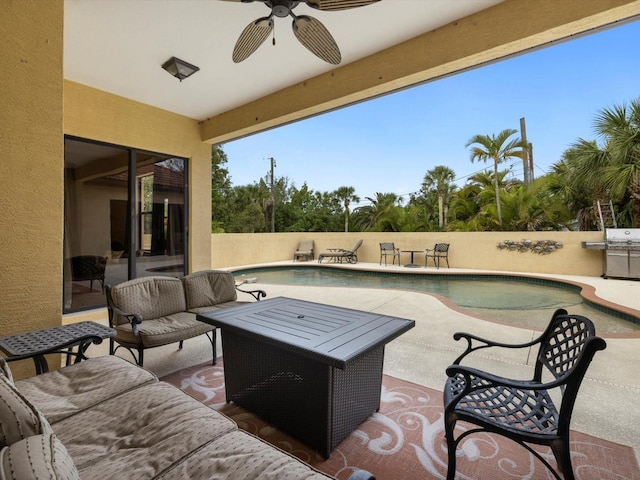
x=622 y=252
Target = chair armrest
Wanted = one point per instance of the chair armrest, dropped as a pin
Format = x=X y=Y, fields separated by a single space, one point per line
x=489 y=343
x=470 y=338
x=489 y=380
x=257 y=294
x=134 y=319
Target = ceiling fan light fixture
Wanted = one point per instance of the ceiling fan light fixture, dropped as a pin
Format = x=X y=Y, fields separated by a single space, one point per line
x=179 y=68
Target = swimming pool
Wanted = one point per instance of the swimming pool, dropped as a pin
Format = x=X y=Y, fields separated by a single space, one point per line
x=516 y=300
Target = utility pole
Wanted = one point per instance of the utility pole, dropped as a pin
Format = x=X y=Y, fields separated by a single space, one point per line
x=273 y=197
x=525 y=151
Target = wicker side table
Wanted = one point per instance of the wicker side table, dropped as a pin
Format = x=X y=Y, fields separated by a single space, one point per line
x=62 y=339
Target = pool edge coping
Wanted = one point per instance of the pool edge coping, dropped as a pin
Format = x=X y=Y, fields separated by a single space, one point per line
x=587 y=291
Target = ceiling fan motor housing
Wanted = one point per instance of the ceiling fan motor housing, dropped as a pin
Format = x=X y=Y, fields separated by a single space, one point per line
x=282 y=8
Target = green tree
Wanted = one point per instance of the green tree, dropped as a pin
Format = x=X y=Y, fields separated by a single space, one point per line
x=347 y=195
x=496 y=148
x=381 y=214
x=528 y=208
x=220 y=189
x=439 y=177
x=608 y=170
x=619 y=127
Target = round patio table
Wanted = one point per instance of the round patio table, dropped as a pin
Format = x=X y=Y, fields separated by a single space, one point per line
x=411 y=265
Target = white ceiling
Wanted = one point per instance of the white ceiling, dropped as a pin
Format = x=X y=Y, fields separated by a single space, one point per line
x=119 y=46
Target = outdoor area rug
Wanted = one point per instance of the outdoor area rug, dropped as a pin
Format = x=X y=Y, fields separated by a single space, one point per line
x=405 y=439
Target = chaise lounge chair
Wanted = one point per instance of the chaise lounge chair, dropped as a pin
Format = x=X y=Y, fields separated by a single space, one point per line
x=339 y=255
x=305 y=249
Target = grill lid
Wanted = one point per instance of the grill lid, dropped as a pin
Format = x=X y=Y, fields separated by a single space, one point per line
x=621 y=237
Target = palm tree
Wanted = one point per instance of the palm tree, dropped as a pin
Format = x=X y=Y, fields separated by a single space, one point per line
x=440 y=177
x=382 y=213
x=347 y=195
x=610 y=170
x=620 y=128
x=498 y=149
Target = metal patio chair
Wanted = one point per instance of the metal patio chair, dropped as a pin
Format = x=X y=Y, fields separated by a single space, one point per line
x=389 y=249
x=524 y=410
x=438 y=252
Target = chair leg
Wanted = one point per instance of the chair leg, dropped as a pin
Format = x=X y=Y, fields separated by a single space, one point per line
x=112 y=346
x=449 y=426
x=140 y=356
x=181 y=344
x=562 y=453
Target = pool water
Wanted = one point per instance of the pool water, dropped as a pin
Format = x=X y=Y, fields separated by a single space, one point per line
x=518 y=301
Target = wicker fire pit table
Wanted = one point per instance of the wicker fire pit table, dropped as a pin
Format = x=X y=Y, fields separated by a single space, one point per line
x=313 y=370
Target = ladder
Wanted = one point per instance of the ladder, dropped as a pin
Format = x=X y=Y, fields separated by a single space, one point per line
x=606 y=215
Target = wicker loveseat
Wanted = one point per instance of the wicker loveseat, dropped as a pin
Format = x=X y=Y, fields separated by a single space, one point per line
x=106 y=418
x=153 y=311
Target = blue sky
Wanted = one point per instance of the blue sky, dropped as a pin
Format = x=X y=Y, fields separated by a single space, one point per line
x=388 y=144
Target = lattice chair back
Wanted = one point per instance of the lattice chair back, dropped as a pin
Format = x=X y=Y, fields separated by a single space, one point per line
x=562 y=343
x=387 y=246
x=441 y=247
x=566 y=350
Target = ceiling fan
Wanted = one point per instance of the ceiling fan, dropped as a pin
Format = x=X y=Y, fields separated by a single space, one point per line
x=309 y=31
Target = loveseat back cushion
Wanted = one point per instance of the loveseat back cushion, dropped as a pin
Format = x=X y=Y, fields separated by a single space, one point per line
x=209 y=287
x=151 y=297
x=18 y=417
x=36 y=458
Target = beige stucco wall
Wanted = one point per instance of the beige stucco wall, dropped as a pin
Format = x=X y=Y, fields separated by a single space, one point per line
x=475 y=250
x=31 y=156
x=38 y=108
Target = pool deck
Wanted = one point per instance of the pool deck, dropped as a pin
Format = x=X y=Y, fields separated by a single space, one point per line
x=607 y=402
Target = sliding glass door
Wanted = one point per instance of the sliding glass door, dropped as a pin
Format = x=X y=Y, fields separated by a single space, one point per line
x=125 y=214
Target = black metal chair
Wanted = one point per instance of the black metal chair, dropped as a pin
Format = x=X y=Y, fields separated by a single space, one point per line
x=438 y=252
x=389 y=249
x=88 y=268
x=523 y=410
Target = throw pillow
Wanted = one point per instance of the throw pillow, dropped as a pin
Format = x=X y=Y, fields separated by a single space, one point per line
x=36 y=458
x=18 y=418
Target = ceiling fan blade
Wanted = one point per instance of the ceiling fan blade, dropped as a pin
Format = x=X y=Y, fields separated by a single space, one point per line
x=314 y=36
x=338 y=4
x=251 y=38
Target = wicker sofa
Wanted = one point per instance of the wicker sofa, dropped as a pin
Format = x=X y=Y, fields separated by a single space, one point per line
x=153 y=311
x=106 y=418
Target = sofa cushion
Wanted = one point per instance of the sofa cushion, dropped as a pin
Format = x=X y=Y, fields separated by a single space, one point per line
x=239 y=454
x=164 y=330
x=218 y=306
x=18 y=417
x=140 y=433
x=67 y=391
x=151 y=297
x=36 y=458
x=209 y=287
